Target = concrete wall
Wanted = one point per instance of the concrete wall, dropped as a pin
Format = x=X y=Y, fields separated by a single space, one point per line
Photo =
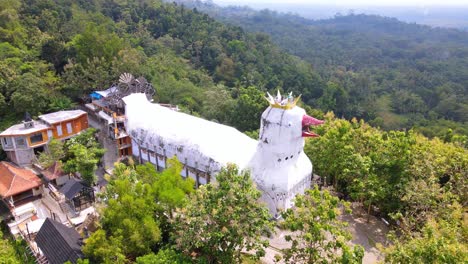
x=38 y=191
x=23 y=157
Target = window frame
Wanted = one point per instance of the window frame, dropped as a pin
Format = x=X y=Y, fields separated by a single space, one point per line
x=59 y=130
x=34 y=141
x=69 y=128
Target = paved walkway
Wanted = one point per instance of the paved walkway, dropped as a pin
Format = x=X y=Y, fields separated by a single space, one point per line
x=368 y=235
x=48 y=206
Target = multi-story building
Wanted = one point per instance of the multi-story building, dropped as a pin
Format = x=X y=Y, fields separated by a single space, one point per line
x=22 y=142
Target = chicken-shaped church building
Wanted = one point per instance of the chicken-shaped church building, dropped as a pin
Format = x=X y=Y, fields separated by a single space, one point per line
x=277 y=162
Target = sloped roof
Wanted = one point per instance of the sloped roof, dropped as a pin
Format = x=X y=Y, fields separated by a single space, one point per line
x=14 y=180
x=71 y=188
x=58 y=242
x=61 y=116
x=54 y=171
x=19 y=129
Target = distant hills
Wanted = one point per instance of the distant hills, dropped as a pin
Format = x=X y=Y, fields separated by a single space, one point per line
x=432 y=15
x=394 y=74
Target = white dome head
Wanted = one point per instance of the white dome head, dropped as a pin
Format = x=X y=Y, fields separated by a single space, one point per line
x=284 y=125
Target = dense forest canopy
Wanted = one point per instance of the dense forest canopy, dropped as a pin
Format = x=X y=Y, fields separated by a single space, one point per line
x=54 y=52
x=394 y=74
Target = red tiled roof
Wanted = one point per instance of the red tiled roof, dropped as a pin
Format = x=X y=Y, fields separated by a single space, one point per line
x=14 y=180
x=54 y=171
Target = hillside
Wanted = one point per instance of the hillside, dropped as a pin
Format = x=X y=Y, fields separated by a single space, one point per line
x=54 y=53
x=394 y=74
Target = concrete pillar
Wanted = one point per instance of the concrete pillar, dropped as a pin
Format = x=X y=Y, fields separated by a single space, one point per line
x=139 y=154
x=156 y=157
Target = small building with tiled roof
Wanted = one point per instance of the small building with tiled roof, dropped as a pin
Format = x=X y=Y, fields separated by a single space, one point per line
x=18 y=185
x=59 y=243
x=55 y=174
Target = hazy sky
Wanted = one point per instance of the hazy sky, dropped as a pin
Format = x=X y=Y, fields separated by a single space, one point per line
x=352 y=2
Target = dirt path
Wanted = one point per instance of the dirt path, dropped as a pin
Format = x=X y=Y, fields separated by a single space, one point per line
x=365 y=234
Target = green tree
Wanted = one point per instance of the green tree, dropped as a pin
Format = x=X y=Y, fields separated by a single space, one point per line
x=368 y=191
x=132 y=215
x=54 y=153
x=170 y=188
x=139 y=202
x=7 y=252
x=320 y=237
x=248 y=109
x=96 y=42
x=164 y=256
x=11 y=29
x=84 y=161
x=439 y=242
x=80 y=78
x=82 y=154
x=102 y=249
x=222 y=219
x=30 y=94
x=60 y=103
x=2 y=103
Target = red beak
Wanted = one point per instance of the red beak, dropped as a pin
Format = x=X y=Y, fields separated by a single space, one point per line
x=308 y=121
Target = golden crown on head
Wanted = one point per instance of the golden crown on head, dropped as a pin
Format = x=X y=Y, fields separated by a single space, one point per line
x=287 y=102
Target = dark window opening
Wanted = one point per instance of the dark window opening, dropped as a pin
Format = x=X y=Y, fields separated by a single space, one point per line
x=279 y=160
x=7 y=142
x=20 y=142
x=38 y=150
x=36 y=138
x=286 y=158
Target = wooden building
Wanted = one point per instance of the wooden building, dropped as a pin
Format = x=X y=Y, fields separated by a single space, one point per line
x=22 y=142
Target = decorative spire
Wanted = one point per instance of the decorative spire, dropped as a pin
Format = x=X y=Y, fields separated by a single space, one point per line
x=286 y=102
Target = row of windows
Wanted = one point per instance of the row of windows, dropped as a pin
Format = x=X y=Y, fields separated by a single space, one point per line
x=69 y=129
x=35 y=138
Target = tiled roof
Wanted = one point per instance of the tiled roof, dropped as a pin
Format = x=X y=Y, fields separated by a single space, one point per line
x=58 y=242
x=54 y=171
x=14 y=180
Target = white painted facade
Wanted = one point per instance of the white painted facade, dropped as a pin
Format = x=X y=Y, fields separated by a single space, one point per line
x=279 y=165
x=277 y=162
